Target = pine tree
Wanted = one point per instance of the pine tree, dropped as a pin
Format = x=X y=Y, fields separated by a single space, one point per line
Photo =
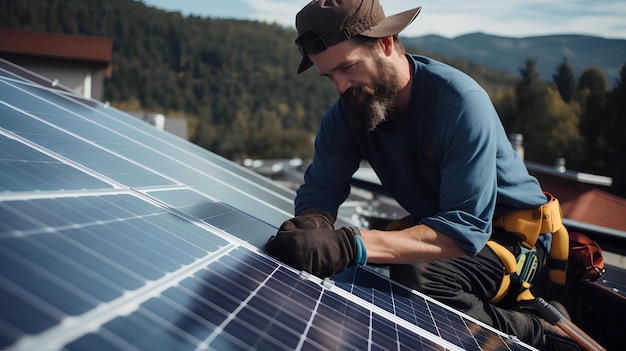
x=592 y=87
x=565 y=81
x=615 y=132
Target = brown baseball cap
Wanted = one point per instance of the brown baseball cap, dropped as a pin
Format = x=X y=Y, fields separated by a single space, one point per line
x=324 y=23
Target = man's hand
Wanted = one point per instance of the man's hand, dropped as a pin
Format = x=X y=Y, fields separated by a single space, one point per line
x=309 y=242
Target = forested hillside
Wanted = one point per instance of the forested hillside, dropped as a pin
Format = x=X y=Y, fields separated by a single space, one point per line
x=236 y=83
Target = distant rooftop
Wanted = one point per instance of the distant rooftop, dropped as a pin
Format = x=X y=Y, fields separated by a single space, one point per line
x=560 y=171
x=55 y=45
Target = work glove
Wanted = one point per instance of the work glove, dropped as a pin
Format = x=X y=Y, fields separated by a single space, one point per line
x=310 y=243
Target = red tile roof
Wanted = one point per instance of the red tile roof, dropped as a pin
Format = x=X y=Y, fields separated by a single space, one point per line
x=596 y=207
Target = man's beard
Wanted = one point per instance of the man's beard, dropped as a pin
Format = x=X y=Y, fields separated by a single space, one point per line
x=370 y=105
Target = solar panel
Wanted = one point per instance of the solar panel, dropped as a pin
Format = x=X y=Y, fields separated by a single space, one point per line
x=117 y=236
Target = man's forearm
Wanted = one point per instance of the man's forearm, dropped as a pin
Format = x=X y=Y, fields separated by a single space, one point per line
x=416 y=244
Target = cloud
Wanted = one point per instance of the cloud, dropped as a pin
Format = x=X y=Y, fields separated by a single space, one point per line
x=450 y=18
x=276 y=11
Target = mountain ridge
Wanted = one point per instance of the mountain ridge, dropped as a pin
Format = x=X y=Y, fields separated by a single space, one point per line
x=509 y=54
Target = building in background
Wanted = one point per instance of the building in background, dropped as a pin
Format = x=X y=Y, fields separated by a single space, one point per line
x=78 y=62
x=176 y=126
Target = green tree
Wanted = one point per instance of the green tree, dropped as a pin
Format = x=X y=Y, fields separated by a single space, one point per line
x=548 y=124
x=615 y=132
x=559 y=131
x=592 y=88
x=530 y=105
x=565 y=81
x=505 y=103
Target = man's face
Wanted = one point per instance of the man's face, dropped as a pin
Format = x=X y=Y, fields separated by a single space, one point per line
x=364 y=79
x=369 y=104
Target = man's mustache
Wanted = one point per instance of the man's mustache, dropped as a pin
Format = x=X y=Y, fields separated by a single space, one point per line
x=360 y=92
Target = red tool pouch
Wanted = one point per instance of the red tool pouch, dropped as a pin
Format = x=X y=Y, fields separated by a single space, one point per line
x=585 y=258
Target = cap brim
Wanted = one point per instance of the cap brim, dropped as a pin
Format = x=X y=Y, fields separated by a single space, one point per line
x=305 y=64
x=393 y=25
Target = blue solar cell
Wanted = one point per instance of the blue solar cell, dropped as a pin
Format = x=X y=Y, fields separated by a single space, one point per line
x=20 y=311
x=128 y=259
x=100 y=265
x=23 y=168
x=218 y=214
x=383 y=333
x=92 y=342
x=210 y=314
x=134 y=205
x=61 y=268
x=169 y=225
x=59 y=296
x=145 y=333
x=79 y=150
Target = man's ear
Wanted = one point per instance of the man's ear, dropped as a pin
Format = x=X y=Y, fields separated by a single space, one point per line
x=387 y=44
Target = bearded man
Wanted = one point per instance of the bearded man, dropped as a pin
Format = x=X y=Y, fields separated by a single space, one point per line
x=435 y=141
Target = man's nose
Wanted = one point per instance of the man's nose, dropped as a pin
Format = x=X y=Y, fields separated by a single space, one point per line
x=341 y=85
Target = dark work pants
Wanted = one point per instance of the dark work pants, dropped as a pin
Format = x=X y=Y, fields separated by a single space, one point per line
x=467 y=284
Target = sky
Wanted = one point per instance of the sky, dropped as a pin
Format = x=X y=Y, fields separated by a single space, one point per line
x=448 y=18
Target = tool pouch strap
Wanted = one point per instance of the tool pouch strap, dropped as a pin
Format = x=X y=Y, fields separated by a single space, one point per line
x=510 y=266
x=559 y=253
x=528 y=224
x=520 y=265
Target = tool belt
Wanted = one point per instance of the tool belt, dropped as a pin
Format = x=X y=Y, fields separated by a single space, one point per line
x=526 y=226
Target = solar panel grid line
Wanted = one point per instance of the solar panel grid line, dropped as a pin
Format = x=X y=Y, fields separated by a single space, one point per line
x=73 y=327
x=182 y=214
x=51 y=154
x=40 y=227
x=220 y=328
x=259 y=180
x=164 y=155
x=246 y=305
x=105 y=339
x=71 y=267
x=56 y=175
x=391 y=316
x=27 y=296
x=190 y=315
x=310 y=322
x=40 y=195
x=311 y=327
x=67 y=136
x=41 y=274
x=69 y=161
x=324 y=295
x=269 y=204
x=471 y=334
x=46 y=230
x=148 y=188
x=177 y=333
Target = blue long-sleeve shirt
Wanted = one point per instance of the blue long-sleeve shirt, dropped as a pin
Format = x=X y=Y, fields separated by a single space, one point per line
x=449 y=164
